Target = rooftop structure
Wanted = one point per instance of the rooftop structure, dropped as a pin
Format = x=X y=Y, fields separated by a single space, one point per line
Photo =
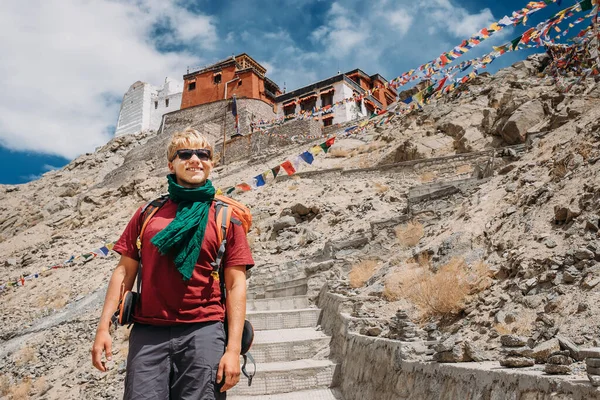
x=240 y=75
x=144 y=105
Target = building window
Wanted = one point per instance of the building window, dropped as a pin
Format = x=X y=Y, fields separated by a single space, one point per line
x=289 y=109
x=328 y=122
x=240 y=83
x=217 y=79
x=167 y=103
x=191 y=86
x=308 y=104
x=327 y=99
x=155 y=105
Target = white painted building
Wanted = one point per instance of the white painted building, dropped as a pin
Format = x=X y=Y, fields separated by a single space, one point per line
x=329 y=92
x=144 y=105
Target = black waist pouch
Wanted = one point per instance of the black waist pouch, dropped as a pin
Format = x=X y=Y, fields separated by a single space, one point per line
x=124 y=314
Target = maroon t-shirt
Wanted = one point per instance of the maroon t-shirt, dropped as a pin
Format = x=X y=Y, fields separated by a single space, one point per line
x=166 y=298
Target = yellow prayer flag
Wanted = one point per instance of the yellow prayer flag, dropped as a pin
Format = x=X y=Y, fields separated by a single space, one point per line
x=316 y=150
x=418 y=97
x=110 y=246
x=494 y=27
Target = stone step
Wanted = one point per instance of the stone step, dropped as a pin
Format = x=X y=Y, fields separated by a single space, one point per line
x=281 y=303
x=286 y=377
x=283 y=319
x=288 y=344
x=317 y=394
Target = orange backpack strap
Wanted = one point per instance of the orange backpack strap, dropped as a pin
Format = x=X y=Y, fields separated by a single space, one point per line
x=147 y=213
x=222 y=218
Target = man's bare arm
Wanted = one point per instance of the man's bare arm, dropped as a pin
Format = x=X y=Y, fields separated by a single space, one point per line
x=235 y=282
x=124 y=274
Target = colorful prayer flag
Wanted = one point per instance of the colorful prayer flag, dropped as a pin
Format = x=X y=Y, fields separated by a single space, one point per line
x=288 y=167
x=244 y=187
x=275 y=171
x=307 y=157
x=260 y=181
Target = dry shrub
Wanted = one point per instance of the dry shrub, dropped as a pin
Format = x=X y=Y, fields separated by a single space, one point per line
x=22 y=390
x=409 y=235
x=502 y=329
x=362 y=272
x=584 y=150
x=293 y=186
x=40 y=386
x=338 y=152
x=4 y=385
x=380 y=187
x=395 y=285
x=25 y=356
x=522 y=326
x=55 y=300
x=464 y=169
x=561 y=168
x=427 y=177
x=445 y=292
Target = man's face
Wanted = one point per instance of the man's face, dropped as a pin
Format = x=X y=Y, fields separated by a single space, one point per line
x=190 y=172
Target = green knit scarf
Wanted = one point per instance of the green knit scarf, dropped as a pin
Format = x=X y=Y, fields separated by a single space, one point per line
x=182 y=238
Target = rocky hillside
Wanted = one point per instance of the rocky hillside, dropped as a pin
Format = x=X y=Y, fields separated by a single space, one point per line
x=477 y=216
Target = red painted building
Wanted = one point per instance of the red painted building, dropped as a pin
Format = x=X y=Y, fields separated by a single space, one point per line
x=240 y=75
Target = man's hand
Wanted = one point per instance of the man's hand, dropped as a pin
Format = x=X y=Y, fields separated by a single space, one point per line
x=229 y=368
x=103 y=342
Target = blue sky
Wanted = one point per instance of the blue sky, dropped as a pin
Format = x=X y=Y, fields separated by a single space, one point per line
x=68 y=63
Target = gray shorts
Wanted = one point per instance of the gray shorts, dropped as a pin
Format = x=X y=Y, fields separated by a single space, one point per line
x=174 y=362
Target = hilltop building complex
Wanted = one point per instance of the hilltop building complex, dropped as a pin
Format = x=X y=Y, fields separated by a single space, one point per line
x=206 y=94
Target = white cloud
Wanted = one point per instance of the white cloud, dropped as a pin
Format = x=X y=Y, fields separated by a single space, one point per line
x=67 y=57
x=370 y=35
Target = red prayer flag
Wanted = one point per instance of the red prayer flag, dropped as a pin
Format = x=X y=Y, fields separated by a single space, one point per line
x=329 y=142
x=244 y=187
x=288 y=167
x=441 y=84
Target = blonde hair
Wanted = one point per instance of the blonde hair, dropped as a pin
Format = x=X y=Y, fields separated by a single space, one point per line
x=188 y=138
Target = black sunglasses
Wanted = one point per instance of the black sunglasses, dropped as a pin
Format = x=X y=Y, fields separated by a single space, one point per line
x=186 y=154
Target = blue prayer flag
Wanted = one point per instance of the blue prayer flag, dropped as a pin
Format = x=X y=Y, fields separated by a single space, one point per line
x=260 y=181
x=307 y=157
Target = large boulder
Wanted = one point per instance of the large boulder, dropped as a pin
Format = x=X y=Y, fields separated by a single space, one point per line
x=526 y=116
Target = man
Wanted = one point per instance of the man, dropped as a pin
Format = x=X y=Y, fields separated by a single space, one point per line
x=177 y=346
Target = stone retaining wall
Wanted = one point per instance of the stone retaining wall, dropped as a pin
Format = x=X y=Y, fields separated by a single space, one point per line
x=376 y=368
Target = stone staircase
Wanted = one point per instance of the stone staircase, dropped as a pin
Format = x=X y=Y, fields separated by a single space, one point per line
x=291 y=354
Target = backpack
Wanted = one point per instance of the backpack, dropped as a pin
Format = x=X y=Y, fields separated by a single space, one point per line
x=227 y=211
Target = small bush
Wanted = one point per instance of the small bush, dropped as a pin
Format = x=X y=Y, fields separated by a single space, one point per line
x=54 y=300
x=427 y=177
x=25 y=356
x=4 y=385
x=464 y=169
x=22 y=390
x=522 y=326
x=362 y=272
x=395 y=285
x=380 y=187
x=40 y=386
x=441 y=293
x=410 y=234
x=584 y=150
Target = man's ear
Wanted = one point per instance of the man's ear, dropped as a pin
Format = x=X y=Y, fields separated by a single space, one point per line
x=171 y=167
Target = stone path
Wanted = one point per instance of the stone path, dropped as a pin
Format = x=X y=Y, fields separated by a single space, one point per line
x=291 y=354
